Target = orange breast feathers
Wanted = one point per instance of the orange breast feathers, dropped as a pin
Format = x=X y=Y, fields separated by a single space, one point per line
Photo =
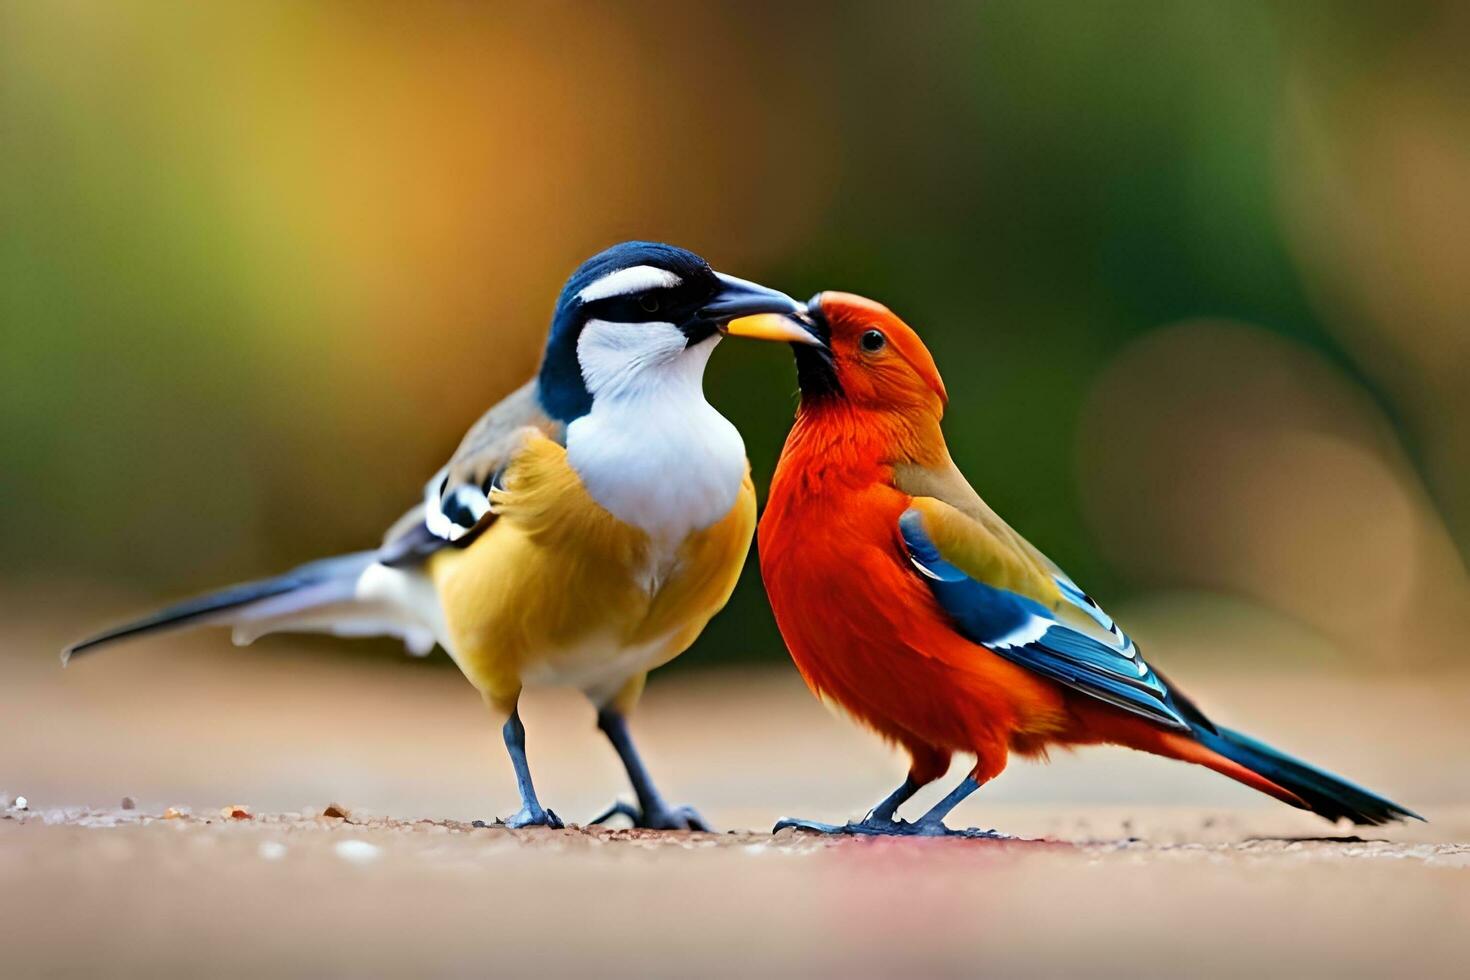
x=862 y=627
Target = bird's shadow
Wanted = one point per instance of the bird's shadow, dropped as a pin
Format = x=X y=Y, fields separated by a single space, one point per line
x=1309 y=839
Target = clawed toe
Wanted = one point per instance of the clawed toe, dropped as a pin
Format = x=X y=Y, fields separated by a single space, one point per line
x=618 y=809
x=681 y=818
x=537 y=817
x=809 y=826
x=871 y=826
x=668 y=818
x=938 y=829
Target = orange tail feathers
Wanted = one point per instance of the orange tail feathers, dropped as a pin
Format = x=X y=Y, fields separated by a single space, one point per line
x=1254 y=764
x=1186 y=749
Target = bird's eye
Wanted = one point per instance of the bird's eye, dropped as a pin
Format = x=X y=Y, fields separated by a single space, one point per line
x=649 y=303
x=873 y=341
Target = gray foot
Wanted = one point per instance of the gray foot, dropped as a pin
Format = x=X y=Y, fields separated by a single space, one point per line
x=666 y=818
x=936 y=828
x=528 y=816
x=871 y=826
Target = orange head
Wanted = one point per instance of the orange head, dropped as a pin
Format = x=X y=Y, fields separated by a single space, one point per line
x=854 y=352
x=870 y=359
x=869 y=387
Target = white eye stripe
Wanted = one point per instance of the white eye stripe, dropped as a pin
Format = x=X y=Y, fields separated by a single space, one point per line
x=633 y=279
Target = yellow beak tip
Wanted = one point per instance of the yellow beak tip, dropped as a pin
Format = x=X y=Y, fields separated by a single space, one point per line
x=771 y=326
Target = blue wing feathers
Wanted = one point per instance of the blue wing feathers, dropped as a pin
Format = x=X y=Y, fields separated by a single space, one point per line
x=1109 y=668
x=983 y=610
x=1027 y=633
x=922 y=550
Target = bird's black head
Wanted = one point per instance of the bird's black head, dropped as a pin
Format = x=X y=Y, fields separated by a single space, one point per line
x=659 y=286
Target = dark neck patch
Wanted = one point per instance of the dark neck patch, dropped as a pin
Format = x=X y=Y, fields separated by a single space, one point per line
x=562 y=390
x=816 y=368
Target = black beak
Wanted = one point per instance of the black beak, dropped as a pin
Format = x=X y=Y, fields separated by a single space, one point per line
x=740 y=297
x=747 y=309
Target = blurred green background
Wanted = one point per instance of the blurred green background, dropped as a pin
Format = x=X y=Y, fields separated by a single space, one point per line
x=1197 y=274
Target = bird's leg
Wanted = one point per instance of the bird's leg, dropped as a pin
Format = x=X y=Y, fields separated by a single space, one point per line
x=531 y=813
x=652 y=811
x=884 y=812
x=931 y=824
x=879 y=821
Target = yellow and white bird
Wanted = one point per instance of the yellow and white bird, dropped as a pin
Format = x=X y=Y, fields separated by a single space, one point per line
x=583 y=533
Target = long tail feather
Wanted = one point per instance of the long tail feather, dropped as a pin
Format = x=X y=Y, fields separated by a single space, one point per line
x=318 y=584
x=1318 y=790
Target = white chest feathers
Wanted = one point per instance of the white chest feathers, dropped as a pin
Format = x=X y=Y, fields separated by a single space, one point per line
x=652 y=451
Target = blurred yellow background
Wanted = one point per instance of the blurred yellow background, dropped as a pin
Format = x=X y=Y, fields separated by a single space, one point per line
x=1196 y=275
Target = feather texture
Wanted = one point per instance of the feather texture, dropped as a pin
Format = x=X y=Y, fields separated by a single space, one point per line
x=907 y=601
x=986 y=609
x=559 y=590
x=456 y=498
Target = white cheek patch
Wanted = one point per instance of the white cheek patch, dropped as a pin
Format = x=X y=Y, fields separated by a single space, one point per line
x=617 y=355
x=652 y=452
x=634 y=279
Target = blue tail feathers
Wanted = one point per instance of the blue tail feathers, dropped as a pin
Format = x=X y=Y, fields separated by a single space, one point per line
x=1324 y=794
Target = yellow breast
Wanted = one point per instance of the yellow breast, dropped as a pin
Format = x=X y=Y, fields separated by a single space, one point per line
x=557 y=590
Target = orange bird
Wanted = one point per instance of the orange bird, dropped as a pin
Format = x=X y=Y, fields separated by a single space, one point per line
x=906 y=600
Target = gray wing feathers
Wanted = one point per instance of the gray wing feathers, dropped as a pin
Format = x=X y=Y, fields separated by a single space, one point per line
x=457 y=499
x=484 y=448
x=329 y=582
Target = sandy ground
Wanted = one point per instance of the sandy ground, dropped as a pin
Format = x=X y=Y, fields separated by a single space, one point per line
x=117 y=893
x=1144 y=867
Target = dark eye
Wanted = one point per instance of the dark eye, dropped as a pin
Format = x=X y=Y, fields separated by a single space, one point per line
x=873 y=341
x=649 y=303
